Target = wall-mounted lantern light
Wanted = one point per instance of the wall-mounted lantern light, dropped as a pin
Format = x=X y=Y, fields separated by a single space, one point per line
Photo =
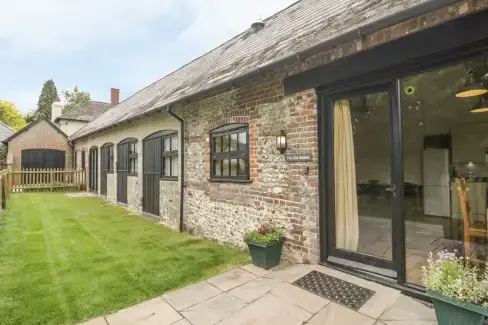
x=281 y=142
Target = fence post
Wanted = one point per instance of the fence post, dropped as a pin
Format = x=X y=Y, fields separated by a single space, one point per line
x=9 y=183
x=51 y=174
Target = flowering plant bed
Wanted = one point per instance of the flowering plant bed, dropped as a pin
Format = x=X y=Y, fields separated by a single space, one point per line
x=457 y=287
x=265 y=245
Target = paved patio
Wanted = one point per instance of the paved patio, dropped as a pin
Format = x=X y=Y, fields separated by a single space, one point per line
x=250 y=295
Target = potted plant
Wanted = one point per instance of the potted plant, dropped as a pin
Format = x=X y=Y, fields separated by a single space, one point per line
x=265 y=245
x=458 y=289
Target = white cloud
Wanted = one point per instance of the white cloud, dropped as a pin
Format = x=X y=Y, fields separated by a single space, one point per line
x=60 y=27
x=213 y=23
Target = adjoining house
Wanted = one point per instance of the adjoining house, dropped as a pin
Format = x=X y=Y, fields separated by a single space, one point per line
x=41 y=144
x=345 y=122
x=78 y=117
x=45 y=144
x=5 y=132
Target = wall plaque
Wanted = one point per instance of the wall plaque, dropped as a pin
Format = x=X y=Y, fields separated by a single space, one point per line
x=298 y=157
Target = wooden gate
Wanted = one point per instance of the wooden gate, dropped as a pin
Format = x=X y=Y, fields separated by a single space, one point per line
x=104 y=167
x=152 y=172
x=122 y=171
x=93 y=169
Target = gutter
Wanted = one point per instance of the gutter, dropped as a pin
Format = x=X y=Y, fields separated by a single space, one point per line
x=182 y=164
x=300 y=56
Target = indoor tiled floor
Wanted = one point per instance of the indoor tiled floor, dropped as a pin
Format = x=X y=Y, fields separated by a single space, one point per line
x=250 y=295
x=421 y=239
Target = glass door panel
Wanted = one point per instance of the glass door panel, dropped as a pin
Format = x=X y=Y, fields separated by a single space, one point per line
x=363 y=187
x=445 y=140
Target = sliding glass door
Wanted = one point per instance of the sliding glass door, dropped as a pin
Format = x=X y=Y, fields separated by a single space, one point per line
x=361 y=184
x=405 y=170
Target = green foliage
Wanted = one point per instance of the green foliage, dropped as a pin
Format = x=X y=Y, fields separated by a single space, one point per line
x=66 y=260
x=3 y=154
x=49 y=94
x=30 y=117
x=10 y=115
x=74 y=98
x=265 y=234
x=456 y=277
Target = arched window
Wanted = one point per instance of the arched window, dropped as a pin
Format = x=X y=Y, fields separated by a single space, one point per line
x=131 y=154
x=169 y=152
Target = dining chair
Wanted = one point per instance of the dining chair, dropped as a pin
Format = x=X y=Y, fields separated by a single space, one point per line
x=465 y=205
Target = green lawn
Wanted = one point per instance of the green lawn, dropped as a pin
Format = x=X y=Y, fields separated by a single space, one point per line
x=64 y=260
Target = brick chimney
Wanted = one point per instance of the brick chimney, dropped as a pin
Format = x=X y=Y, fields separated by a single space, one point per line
x=56 y=109
x=114 y=96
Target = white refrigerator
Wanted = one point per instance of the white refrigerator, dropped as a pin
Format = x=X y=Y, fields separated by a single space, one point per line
x=436 y=182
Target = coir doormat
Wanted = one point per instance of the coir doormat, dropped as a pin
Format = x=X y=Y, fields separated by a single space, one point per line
x=337 y=290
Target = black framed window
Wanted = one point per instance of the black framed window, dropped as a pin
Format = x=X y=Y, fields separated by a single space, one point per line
x=75 y=160
x=229 y=153
x=83 y=162
x=133 y=158
x=111 y=159
x=169 y=161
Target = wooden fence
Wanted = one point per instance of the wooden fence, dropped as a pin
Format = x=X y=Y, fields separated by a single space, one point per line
x=39 y=180
x=47 y=180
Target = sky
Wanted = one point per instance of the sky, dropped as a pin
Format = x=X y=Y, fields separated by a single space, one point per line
x=103 y=44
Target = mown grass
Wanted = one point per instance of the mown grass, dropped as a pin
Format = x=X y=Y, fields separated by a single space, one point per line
x=64 y=260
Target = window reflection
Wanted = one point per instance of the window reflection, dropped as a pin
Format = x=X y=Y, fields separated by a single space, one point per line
x=444 y=146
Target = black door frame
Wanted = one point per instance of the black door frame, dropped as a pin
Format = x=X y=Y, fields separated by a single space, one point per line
x=388 y=267
x=104 y=166
x=123 y=169
x=447 y=44
x=93 y=169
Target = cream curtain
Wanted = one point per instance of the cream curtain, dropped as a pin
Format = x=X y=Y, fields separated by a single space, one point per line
x=346 y=201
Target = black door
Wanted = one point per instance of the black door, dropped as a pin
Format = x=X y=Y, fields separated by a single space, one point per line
x=122 y=171
x=362 y=203
x=104 y=155
x=93 y=169
x=42 y=158
x=152 y=172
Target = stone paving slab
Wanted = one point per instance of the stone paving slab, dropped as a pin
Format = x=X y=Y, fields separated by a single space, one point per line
x=268 y=310
x=213 y=310
x=336 y=314
x=255 y=270
x=152 y=312
x=231 y=279
x=406 y=310
x=299 y=297
x=95 y=321
x=291 y=273
x=244 y=297
x=383 y=298
x=191 y=295
x=254 y=289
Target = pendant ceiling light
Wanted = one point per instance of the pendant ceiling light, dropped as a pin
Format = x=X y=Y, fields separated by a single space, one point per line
x=473 y=86
x=481 y=106
x=471 y=89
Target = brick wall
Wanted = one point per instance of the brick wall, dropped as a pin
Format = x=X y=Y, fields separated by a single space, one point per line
x=282 y=192
x=40 y=136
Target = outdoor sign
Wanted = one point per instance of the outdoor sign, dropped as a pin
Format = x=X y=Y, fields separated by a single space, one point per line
x=298 y=157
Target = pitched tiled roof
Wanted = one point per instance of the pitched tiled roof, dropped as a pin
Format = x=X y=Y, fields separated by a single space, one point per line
x=86 y=112
x=5 y=131
x=301 y=26
x=31 y=125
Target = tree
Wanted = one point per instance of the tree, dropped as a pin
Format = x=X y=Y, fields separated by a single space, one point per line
x=74 y=98
x=49 y=95
x=10 y=115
